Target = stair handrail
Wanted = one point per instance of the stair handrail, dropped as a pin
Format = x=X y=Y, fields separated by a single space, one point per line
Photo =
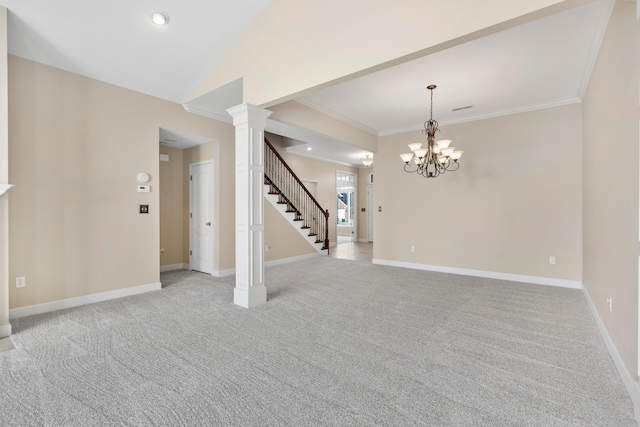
x=293 y=174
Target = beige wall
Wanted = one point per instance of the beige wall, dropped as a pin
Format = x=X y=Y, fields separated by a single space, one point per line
x=76 y=146
x=299 y=115
x=611 y=117
x=283 y=239
x=4 y=179
x=172 y=209
x=515 y=201
x=309 y=55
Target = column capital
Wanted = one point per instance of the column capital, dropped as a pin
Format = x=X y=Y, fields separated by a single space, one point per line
x=248 y=113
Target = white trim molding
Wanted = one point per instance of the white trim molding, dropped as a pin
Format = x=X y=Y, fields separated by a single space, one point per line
x=632 y=386
x=550 y=281
x=4 y=188
x=205 y=113
x=173 y=267
x=272 y=263
x=5 y=330
x=78 y=301
x=289 y=260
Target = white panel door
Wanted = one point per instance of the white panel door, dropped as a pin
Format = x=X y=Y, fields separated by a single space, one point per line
x=201 y=216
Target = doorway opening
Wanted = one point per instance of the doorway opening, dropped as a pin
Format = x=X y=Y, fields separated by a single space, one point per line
x=346 y=207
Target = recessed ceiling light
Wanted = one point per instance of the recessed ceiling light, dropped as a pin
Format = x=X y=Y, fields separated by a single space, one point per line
x=308 y=148
x=159 y=18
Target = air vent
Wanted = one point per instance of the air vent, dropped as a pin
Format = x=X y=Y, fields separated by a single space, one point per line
x=462 y=108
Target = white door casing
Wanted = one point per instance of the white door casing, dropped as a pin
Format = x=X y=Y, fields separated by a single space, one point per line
x=347 y=182
x=201 y=216
x=369 y=214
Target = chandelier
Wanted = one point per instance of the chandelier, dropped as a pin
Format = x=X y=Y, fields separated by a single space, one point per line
x=437 y=157
x=367 y=161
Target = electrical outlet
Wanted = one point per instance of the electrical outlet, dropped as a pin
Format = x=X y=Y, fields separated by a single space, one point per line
x=552 y=260
x=412 y=248
x=610 y=302
x=266 y=248
x=21 y=282
x=161 y=250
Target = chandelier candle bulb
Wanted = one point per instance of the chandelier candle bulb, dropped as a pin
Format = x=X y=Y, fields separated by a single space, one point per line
x=447 y=151
x=406 y=157
x=421 y=152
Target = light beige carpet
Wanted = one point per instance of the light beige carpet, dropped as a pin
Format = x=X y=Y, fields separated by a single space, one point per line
x=338 y=343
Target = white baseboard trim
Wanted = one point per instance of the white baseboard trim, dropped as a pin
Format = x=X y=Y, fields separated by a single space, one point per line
x=78 y=301
x=633 y=387
x=291 y=259
x=5 y=330
x=573 y=284
x=173 y=267
x=363 y=241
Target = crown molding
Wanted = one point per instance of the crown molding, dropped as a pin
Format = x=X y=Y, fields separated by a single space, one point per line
x=324 y=159
x=605 y=14
x=499 y=113
x=329 y=112
x=4 y=188
x=206 y=113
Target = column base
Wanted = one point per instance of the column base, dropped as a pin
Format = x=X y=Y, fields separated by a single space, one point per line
x=5 y=330
x=256 y=295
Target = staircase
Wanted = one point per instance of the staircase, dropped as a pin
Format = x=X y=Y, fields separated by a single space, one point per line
x=287 y=193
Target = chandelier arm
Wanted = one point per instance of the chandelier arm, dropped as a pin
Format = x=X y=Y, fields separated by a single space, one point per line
x=407 y=168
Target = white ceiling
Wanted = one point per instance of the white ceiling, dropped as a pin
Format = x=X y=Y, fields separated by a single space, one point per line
x=115 y=42
x=539 y=64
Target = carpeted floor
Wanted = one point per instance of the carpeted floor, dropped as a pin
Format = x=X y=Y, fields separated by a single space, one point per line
x=338 y=343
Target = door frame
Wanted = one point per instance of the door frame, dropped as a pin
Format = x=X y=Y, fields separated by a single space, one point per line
x=354 y=228
x=191 y=209
x=369 y=213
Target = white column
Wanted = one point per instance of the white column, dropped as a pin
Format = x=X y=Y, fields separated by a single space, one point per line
x=249 y=121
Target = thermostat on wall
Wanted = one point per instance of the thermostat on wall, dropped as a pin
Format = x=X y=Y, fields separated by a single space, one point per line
x=144 y=189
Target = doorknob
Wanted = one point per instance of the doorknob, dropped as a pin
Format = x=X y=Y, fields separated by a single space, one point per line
x=208 y=223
